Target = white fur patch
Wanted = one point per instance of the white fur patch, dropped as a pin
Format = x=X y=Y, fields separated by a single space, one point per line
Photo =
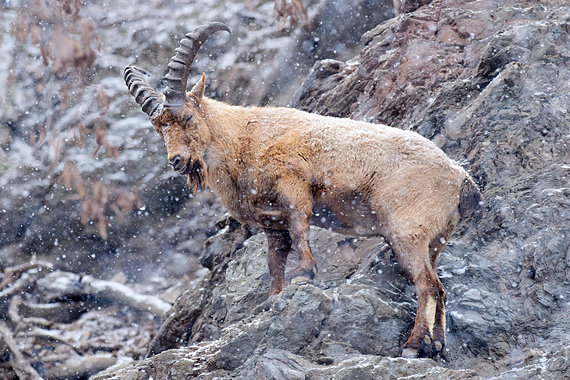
x=430 y=313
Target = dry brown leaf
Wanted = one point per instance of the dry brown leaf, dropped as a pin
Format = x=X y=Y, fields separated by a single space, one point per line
x=35 y=34
x=100 y=193
x=119 y=214
x=65 y=97
x=129 y=201
x=102 y=226
x=20 y=29
x=33 y=138
x=67 y=173
x=71 y=179
x=93 y=208
x=100 y=136
x=87 y=209
x=56 y=145
x=102 y=102
x=292 y=10
x=77 y=135
x=44 y=52
x=113 y=151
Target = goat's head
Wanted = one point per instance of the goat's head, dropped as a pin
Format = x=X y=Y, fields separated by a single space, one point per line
x=174 y=113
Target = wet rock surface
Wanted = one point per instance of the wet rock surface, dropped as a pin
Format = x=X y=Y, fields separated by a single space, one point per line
x=486 y=80
x=331 y=329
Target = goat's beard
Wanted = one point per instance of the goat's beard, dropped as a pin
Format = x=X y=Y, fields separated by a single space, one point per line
x=197 y=175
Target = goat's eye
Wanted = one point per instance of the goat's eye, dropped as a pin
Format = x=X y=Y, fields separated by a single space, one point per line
x=189 y=119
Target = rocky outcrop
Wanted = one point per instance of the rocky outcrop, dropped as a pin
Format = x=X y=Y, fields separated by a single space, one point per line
x=487 y=81
x=84 y=184
x=349 y=324
x=352 y=320
x=404 y=6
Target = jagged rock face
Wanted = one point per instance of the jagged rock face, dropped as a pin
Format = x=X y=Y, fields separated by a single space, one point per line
x=488 y=82
x=403 y=6
x=350 y=322
x=347 y=325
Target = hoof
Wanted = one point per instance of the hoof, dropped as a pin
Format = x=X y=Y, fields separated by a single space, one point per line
x=426 y=349
x=437 y=346
x=438 y=350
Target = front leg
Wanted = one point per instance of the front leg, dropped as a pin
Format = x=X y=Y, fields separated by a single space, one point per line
x=299 y=229
x=279 y=245
x=297 y=198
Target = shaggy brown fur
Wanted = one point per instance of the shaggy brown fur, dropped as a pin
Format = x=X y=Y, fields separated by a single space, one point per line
x=281 y=169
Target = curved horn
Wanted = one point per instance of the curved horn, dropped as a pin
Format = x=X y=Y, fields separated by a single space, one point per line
x=179 y=66
x=144 y=94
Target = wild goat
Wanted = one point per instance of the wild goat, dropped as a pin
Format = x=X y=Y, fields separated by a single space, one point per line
x=280 y=169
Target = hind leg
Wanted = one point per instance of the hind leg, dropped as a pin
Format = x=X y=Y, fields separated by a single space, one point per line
x=414 y=258
x=440 y=324
x=435 y=248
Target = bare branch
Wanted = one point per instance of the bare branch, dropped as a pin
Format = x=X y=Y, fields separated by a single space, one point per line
x=80 y=367
x=124 y=295
x=19 y=364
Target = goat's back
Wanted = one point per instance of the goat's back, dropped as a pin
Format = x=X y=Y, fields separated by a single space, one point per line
x=357 y=168
x=353 y=170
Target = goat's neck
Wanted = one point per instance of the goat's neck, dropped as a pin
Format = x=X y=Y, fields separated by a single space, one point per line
x=225 y=123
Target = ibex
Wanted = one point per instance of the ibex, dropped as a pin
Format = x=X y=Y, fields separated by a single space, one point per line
x=282 y=169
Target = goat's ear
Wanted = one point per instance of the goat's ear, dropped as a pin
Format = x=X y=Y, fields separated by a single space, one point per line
x=197 y=91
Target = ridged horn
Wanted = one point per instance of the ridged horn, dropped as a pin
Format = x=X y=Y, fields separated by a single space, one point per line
x=143 y=93
x=179 y=66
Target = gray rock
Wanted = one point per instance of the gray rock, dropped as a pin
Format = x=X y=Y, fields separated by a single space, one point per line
x=404 y=6
x=486 y=80
x=492 y=95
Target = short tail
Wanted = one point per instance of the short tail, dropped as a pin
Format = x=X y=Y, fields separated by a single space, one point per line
x=470 y=198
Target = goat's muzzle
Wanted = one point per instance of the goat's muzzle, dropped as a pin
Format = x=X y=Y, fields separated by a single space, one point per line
x=193 y=168
x=180 y=164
